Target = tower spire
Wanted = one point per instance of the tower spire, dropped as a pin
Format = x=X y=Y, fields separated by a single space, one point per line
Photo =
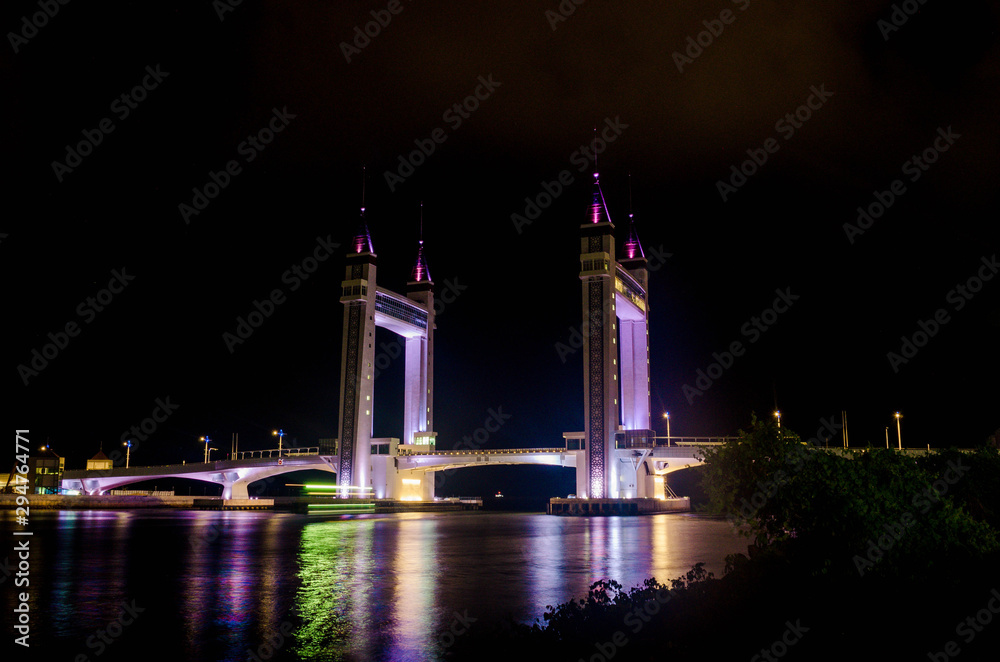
x=362 y=238
x=598 y=209
x=420 y=271
x=633 y=249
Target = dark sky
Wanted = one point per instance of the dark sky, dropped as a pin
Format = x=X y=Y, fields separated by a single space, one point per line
x=887 y=96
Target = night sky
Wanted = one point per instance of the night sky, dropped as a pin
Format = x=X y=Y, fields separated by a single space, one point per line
x=870 y=96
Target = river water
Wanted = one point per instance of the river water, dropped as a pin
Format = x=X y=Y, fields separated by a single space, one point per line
x=205 y=585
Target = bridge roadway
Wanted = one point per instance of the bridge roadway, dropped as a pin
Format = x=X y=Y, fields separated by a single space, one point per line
x=233 y=475
x=675 y=458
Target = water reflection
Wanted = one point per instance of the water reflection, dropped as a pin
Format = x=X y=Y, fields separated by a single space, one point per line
x=218 y=585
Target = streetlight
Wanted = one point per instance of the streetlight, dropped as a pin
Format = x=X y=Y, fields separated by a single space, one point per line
x=777 y=415
x=207 y=441
x=899 y=435
x=666 y=415
x=887 y=436
x=279 y=434
x=128 y=451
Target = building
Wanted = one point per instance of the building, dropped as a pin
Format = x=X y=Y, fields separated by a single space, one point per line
x=99 y=462
x=45 y=471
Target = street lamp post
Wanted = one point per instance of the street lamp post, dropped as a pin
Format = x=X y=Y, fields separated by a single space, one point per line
x=899 y=435
x=887 y=436
x=666 y=415
x=279 y=433
x=128 y=451
x=207 y=441
x=777 y=415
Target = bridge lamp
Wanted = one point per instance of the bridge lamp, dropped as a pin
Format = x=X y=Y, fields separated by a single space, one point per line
x=207 y=441
x=128 y=451
x=899 y=435
x=666 y=415
x=279 y=434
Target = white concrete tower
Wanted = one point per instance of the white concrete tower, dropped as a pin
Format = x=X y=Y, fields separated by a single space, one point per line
x=599 y=330
x=368 y=465
x=633 y=332
x=418 y=397
x=357 y=385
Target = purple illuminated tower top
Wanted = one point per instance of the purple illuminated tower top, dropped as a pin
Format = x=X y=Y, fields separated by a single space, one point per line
x=362 y=238
x=633 y=249
x=598 y=210
x=420 y=271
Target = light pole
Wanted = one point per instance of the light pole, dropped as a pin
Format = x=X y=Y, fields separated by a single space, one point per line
x=279 y=433
x=777 y=415
x=899 y=435
x=666 y=415
x=128 y=451
x=887 y=436
x=207 y=441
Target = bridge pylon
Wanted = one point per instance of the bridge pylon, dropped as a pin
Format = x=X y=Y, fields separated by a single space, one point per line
x=367 y=307
x=615 y=334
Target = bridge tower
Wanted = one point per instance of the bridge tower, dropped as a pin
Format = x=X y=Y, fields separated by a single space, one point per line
x=615 y=333
x=357 y=385
x=365 y=462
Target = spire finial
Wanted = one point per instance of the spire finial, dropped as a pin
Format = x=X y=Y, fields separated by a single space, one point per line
x=633 y=248
x=597 y=172
x=362 y=238
x=363 y=190
x=630 y=195
x=420 y=271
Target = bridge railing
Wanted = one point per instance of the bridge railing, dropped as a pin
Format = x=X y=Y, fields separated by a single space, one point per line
x=484 y=451
x=693 y=441
x=646 y=441
x=274 y=452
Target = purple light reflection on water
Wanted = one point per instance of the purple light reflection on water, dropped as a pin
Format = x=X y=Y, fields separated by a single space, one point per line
x=385 y=587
